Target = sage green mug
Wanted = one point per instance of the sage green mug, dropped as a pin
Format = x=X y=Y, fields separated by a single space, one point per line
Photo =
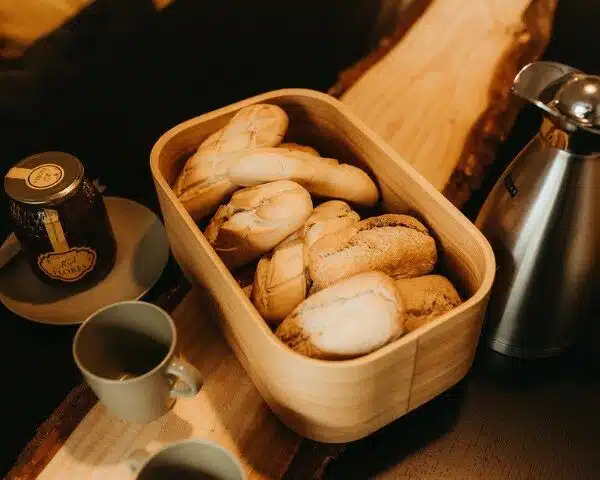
x=193 y=459
x=125 y=352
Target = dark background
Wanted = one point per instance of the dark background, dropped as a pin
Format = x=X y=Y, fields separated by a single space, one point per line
x=107 y=84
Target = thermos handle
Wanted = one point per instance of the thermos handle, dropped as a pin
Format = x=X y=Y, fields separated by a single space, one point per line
x=538 y=82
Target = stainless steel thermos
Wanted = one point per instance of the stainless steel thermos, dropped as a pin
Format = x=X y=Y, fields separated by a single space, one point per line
x=542 y=219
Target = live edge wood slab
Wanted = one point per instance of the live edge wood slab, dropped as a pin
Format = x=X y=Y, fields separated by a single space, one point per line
x=438 y=90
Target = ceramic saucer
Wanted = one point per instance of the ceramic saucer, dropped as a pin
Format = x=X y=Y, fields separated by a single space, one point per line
x=142 y=254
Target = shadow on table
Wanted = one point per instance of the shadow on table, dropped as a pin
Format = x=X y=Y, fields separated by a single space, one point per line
x=377 y=453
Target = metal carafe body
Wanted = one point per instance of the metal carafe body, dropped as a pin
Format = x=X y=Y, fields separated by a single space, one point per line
x=542 y=219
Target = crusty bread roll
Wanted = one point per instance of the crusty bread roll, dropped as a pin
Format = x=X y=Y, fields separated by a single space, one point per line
x=256 y=219
x=203 y=183
x=398 y=245
x=353 y=317
x=326 y=218
x=426 y=298
x=325 y=177
x=300 y=148
x=281 y=280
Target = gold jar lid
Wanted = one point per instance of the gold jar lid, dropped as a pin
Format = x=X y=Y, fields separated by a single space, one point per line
x=44 y=178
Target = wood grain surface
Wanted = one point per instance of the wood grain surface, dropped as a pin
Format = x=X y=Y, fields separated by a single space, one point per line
x=228 y=410
x=440 y=97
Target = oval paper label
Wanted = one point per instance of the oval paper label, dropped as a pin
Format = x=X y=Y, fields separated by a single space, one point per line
x=68 y=266
x=45 y=176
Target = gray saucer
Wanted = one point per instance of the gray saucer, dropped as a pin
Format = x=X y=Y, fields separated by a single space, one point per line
x=142 y=254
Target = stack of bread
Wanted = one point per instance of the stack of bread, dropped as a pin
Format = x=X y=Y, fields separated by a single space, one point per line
x=331 y=285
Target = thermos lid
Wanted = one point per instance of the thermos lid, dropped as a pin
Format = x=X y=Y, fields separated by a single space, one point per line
x=579 y=100
x=44 y=178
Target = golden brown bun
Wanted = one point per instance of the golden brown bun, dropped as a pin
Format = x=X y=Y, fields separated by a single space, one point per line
x=353 y=317
x=256 y=220
x=325 y=177
x=281 y=282
x=203 y=183
x=282 y=279
x=426 y=298
x=326 y=218
x=398 y=245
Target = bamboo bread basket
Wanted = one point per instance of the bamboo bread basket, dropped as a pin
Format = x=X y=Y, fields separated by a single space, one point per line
x=336 y=401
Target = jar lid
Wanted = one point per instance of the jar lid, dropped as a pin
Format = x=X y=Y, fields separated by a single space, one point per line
x=44 y=178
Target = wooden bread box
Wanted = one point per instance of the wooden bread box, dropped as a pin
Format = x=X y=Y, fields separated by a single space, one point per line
x=336 y=401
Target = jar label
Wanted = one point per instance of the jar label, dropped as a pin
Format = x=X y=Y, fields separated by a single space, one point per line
x=54 y=230
x=68 y=266
x=45 y=176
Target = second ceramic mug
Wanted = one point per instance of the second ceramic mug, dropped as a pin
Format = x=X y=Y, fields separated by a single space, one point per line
x=126 y=354
x=186 y=460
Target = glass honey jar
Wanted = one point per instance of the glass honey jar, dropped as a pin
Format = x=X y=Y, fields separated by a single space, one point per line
x=60 y=220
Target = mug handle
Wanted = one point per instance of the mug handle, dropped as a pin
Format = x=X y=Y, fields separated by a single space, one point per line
x=188 y=374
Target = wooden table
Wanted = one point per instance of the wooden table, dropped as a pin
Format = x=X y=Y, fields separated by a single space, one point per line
x=506 y=420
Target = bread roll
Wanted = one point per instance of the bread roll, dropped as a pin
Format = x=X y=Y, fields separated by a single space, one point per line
x=203 y=183
x=426 y=298
x=398 y=245
x=325 y=177
x=282 y=280
x=326 y=218
x=257 y=219
x=353 y=317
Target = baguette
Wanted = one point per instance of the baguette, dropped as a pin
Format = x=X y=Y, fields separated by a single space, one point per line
x=203 y=183
x=324 y=177
x=426 y=298
x=398 y=245
x=351 y=318
x=257 y=219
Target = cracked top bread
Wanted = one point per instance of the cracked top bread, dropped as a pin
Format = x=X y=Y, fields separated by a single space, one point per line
x=398 y=245
x=353 y=317
x=282 y=279
x=426 y=298
x=323 y=177
x=202 y=185
x=256 y=219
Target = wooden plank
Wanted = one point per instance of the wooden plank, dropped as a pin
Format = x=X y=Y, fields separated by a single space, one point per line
x=228 y=409
x=441 y=96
